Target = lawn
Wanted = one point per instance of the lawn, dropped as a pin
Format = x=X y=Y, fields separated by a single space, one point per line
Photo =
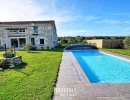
x=120 y=51
x=32 y=80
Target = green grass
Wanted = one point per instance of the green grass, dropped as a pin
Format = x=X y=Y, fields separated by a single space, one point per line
x=32 y=80
x=120 y=51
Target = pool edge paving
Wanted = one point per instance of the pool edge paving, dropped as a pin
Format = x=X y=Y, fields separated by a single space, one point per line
x=71 y=77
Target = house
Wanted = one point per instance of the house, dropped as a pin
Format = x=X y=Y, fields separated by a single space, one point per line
x=41 y=34
x=106 y=43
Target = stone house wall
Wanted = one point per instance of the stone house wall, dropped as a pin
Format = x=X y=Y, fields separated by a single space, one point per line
x=46 y=31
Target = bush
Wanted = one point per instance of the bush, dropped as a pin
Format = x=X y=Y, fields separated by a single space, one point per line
x=28 y=47
x=127 y=42
x=64 y=41
x=33 y=47
x=3 y=64
x=59 y=44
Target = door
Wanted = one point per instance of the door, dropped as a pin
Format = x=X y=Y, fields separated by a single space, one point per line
x=14 y=43
x=22 y=42
x=32 y=41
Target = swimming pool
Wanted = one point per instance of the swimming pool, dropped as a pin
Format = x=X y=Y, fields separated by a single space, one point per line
x=103 y=68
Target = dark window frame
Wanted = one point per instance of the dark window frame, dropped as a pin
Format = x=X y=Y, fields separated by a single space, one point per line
x=42 y=41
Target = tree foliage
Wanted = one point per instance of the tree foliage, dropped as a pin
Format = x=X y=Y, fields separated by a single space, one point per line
x=82 y=39
x=127 y=42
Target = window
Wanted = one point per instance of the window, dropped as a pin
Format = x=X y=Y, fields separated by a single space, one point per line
x=22 y=30
x=35 y=29
x=12 y=31
x=41 y=41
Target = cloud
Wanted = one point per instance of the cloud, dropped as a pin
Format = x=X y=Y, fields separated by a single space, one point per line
x=90 y=18
x=12 y=10
x=109 y=21
x=121 y=14
x=81 y=32
x=20 y=10
x=126 y=22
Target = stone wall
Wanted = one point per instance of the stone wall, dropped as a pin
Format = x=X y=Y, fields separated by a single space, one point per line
x=46 y=31
x=15 y=60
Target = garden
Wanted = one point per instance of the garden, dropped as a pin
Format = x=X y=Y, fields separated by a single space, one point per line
x=34 y=79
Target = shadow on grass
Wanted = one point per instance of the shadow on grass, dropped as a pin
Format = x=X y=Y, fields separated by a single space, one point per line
x=33 y=52
x=56 y=49
x=21 y=66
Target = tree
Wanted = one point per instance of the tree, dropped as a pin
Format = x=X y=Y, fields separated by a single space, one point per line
x=79 y=39
x=64 y=41
x=127 y=42
x=113 y=37
x=106 y=37
x=73 y=41
x=94 y=37
x=69 y=41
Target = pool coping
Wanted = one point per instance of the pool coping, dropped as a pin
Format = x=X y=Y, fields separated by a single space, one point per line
x=71 y=76
x=116 y=54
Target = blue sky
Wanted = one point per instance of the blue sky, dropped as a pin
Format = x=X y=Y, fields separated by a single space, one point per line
x=73 y=17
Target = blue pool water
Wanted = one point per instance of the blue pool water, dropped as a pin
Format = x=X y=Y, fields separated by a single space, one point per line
x=103 y=68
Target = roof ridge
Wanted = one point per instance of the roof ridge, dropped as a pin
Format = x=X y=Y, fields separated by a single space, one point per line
x=23 y=22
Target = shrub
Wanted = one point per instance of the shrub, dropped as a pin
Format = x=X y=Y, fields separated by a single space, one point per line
x=3 y=63
x=33 y=47
x=59 y=44
x=28 y=47
x=127 y=42
x=69 y=41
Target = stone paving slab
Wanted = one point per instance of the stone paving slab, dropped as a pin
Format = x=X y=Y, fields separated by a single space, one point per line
x=71 y=76
x=122 y=88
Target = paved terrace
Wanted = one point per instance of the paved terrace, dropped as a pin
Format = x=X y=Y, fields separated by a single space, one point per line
x=72 y=77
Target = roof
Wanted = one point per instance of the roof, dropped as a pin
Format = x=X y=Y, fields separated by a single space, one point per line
x=80 y=47
x=27 y=22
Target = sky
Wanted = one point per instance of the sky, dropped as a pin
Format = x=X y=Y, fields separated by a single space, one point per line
x=73 y=17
